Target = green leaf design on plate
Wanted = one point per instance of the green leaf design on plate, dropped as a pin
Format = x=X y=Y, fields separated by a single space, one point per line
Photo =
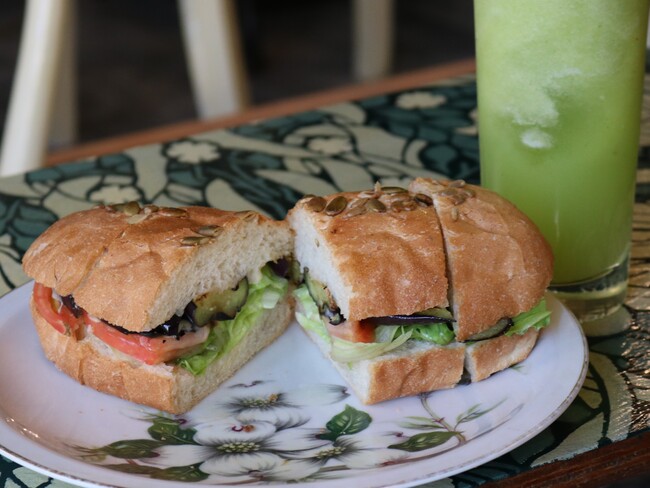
x=349 y=421
x=427 y=440
x=473 y=413
x=169 y=431
x=190 y=473
x=181 y=473
x=132 y=468
x=130 y=449
x=421 y=423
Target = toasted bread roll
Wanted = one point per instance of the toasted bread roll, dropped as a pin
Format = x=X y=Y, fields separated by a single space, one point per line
x=125 y=292
x=462 y=257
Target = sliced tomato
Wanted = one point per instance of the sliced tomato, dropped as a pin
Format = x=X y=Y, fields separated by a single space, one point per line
x=57 y=315
x=353 y=331
x=149 y=350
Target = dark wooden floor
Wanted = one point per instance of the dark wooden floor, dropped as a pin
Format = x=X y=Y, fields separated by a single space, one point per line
x=132 y=71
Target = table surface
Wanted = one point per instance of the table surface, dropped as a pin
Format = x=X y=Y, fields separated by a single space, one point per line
x=419 y=124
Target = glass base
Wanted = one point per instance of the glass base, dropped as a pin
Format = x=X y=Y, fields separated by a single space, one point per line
x=598 y=303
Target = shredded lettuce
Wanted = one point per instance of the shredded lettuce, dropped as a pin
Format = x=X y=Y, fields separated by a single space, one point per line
x=537 y=317
x=387 y=337
x=350 y=352
x=265 y=294
x=438 y=333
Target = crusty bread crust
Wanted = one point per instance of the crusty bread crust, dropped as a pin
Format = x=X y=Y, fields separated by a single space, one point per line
x=420 y=368
x=374 y=264
x=137 y=271
x=59 y=259
x=166 y=387
x=385 y=263
x=484 y=358
x=499 y=264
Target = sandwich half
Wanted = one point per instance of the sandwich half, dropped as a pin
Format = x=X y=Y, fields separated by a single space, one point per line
x=159 y=305
x=413 y=290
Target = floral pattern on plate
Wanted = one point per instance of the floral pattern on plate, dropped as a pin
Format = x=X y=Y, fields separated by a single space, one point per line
x=259 y=432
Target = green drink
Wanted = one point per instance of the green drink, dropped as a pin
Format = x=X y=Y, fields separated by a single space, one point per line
x=559 y=90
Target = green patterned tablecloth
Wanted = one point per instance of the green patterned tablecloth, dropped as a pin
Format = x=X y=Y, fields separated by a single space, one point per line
x=268 y=165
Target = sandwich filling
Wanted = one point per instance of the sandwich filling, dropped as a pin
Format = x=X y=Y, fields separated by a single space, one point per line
x=353 y=341
x=207 y=328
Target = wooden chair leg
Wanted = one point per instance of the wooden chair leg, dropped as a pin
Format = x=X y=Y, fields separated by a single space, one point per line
x=64 y=123
x=214 y=56
x=30 y=107
x=372 y=38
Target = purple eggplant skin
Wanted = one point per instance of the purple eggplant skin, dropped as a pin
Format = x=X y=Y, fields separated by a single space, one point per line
x=280 y=267
x=171 y=328
x=69 y=302
x=287 y=268
x=334 y=317
x=407 y=320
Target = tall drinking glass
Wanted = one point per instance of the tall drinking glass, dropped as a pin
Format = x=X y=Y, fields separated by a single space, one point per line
x=559 y=92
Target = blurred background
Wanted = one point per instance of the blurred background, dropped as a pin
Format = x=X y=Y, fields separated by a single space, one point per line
x=132 y=71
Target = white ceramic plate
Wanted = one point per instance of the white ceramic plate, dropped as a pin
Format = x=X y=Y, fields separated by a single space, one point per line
x=286 y=416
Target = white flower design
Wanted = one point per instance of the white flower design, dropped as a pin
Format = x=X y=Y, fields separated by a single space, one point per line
x=255 y=449
x=357 y=452
x=263 y=401
x=115 y=194
x=194 y=152
x=235 y=451
x=330 y=145
x=419 y=99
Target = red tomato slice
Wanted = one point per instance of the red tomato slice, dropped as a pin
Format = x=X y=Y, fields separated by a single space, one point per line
x=353 y=331
x=57 y=315
x=149 y=350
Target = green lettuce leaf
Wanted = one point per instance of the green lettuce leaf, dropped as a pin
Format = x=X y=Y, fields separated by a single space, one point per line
x=537 y=317
x=309 y=318
x=265 y=294
x=438 y=333
x=350 y=352
x=387 y=337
